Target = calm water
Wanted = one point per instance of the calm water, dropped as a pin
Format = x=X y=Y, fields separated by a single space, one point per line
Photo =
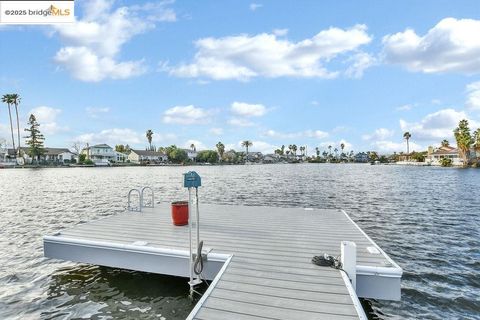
x=427 y=219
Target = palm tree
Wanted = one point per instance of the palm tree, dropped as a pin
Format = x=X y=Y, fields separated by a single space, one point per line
x=330 y=149
x=317 y=150
x=294 y=149
x=342 y=146
x=445 y=143
x=336 y=152
x=6 y=98
x=476 y=142
x=246 y=144
x=220 y=149
x=15 y=100
x=464 y=139
x=149 y=135
x=302 y=150
x=407 y=137
x=192 y=146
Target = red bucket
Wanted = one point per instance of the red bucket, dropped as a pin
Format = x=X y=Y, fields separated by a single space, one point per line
x=180 y=213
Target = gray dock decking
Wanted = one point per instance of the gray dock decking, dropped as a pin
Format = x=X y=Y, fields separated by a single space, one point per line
x=269 y=275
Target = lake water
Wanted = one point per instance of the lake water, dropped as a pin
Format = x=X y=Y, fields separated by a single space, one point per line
x=427 y=219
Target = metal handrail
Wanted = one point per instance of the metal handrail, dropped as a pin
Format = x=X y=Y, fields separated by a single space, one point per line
x=142 y=198
x=129 y=205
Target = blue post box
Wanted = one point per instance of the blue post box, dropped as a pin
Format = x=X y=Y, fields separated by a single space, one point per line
x=191 y=179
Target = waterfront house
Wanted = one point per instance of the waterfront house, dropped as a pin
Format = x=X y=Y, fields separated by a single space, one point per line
x=147 y=157
x=56 y=156
x=191 y=154
x=361 y=157
x=100 y=154
x=434 y=156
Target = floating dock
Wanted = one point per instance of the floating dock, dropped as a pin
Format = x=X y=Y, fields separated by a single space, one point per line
x=259 y=259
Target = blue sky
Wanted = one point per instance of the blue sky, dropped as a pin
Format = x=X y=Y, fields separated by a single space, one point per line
x=313 y=73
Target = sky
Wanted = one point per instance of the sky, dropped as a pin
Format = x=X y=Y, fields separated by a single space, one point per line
x=313 y=73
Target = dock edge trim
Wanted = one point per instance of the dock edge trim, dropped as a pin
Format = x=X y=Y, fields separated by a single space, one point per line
x=370 y=270
x=353 y=296
x=207 y=293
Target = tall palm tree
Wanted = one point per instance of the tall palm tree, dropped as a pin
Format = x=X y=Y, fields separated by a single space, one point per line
x=15 y=100
x=330 y=149
x=246 y=144
x=294 y=149
x=342 y=146
x=336 y=152
x=149 y=135
x=407 y=137
x=302 y=150
x=445 y=143
x=192 y=146
x=464 y=139
x=6 y=98
x=220 y=149
x=317 y=150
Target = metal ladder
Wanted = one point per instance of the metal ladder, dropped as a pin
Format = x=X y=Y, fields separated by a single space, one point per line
x=150 y=203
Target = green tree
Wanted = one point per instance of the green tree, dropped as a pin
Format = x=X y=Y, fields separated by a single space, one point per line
x=81 y=158
x=317 y=150
x=149 y=135
x=220 y=149
x=35 y=139
x=246 y=144
x=445 y=143
x=407 y=137
x=476 y=142
x=464 y=139
x=446 y=162
x=176 y=155
x=294 y=149
x=342 y=146
x=210 y=156
x=120 y=148
x=330 y=150
x=6 y=98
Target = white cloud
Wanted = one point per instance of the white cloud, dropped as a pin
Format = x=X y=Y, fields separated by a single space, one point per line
x=198 y=145
x=113 y=136
x=379 y=134
x=473 y=96
x=216 y=131
x=248 y=110
x=94 y=113
x=453 y=45
x=243 y=57
x=255 y=6
x=186 y=115
x=92 y=44
x=240 y=122
x=435 y=126
x=318 y=134
x=47 y=118
x=314 y=103
x=258 y=146
x=336 y=144
x=129 y=136
x=404 y=107
x=391 y=146
x=280 y=32
x=360 y=62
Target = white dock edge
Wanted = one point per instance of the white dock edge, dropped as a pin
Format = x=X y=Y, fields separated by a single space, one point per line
x=378 y=282
x=207 y=293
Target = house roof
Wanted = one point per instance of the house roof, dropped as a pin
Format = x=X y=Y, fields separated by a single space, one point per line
x=149 y=153
x=102 y=145
x=444 y=151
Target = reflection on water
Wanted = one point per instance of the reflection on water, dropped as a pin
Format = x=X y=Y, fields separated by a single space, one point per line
x=101 y=292
x=427 y=219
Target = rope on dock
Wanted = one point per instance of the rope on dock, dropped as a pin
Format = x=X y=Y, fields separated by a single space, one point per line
x=327 y=261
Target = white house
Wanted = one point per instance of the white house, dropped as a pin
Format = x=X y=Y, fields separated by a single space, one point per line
x=434 y=156
x=100 y=154
x=192 y=154
x=147 y=157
